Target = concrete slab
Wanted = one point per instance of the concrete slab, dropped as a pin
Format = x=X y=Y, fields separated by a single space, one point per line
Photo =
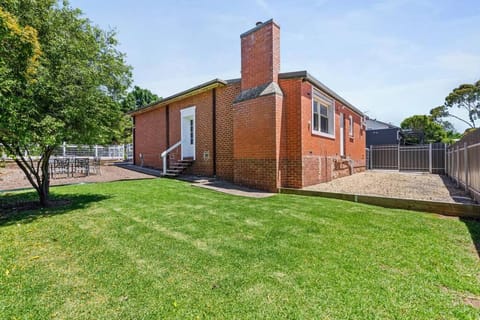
x=230 y=188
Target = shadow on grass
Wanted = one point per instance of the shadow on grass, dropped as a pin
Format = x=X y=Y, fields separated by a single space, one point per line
x=473 y=226
x=24 y=207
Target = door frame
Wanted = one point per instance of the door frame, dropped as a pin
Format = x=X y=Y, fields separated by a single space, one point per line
x=184 y=113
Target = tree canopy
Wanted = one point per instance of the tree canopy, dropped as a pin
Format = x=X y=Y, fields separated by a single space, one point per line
x=67 y=85
x=429 y=131
x=138 y=98
x=466 y=98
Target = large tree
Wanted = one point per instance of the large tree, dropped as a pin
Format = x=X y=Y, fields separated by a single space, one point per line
x=72 y=94
x=465 y=97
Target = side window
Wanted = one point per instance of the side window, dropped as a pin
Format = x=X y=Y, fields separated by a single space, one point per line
x=323 y=115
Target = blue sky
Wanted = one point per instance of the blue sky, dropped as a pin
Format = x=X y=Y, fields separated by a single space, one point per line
x=391 y=59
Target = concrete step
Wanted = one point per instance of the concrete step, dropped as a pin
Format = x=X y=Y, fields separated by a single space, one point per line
x=176 y=171
x=170 y=175
x=177 y=168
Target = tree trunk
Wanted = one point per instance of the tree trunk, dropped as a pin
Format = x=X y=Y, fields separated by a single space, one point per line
x=43 y=193
x=44 y=186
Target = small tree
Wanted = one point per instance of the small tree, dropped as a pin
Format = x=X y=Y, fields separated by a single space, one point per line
x=432 y=131
x=135 y=99
x=74 y=95
x=467 y=98
x=138 y=98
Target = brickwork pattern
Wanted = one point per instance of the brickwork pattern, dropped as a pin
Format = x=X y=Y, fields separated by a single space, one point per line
x=255 y=141
x=290 y=147
x=329 y=148
x=224 y=139
x=256 y=173
x=260 y=56
x=150 y=137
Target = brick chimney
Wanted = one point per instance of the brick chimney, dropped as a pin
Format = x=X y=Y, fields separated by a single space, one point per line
x=260 y=55
x=258 y=110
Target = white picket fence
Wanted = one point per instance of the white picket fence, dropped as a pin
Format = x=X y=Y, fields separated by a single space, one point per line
x=112 y=152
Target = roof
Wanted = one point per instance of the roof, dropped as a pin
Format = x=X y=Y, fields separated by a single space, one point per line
x=220 y=83
x=181 y=95
x=307 y=76
x=372 y=124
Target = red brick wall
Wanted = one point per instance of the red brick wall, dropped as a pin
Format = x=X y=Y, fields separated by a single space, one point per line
x=256 y=142
x=290 y=150
x=203 y=130
x=328 y=149
x=260 y=56
x=224 y=144
x=150 y=133
x=150 y=137
x=263 y=143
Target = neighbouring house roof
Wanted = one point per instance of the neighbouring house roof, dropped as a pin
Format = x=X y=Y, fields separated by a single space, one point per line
x=304 y=75
x=374 y=124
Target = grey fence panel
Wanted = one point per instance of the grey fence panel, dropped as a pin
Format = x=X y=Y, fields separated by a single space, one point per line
x=414 y=158
x=428 y=158
x=384 y=157
x=463 y=163
x=474 y=169
x=439 y=158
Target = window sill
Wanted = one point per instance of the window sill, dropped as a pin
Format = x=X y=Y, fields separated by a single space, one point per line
x=322 y=134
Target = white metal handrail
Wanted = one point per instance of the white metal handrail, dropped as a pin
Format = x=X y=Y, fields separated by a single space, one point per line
x=166 y=152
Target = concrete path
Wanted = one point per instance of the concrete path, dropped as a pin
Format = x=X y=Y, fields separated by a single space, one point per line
x=205 y=182
x=130 y=166
x=230 y=188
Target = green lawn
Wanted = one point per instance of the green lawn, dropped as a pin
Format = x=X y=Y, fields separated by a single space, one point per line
x=160 y=248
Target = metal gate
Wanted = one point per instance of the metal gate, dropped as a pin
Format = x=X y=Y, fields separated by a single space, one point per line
x=427 y=158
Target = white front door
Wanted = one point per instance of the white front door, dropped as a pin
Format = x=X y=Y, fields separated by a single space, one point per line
x=188 y=132
x=342 y=134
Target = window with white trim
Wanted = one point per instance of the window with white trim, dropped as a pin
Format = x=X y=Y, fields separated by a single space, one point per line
x=323 y=115
x=350 y=126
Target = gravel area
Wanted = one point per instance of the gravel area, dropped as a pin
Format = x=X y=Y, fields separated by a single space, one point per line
x=14 y=178
x=419 y=186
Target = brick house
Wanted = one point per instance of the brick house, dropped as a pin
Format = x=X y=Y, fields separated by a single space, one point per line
x=265 y=130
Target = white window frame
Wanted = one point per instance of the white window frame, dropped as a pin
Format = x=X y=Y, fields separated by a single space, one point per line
x=330 y=104
x=350 y=126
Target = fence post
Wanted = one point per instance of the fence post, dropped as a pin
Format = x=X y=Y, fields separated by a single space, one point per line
x=96 y=151
x=445 y=158
x=457 y=173
x=371 y=157
x=398 y=157
x=64 y=149
x=465 y=162
x=430 y=158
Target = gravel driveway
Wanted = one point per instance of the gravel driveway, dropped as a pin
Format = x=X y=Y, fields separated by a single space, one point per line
x=13 y=178
x=419 y=186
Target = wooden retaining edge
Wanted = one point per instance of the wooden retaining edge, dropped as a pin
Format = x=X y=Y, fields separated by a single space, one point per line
x=444 y=208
